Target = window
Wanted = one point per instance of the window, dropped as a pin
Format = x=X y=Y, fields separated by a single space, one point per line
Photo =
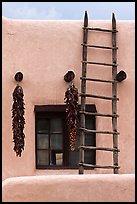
x=52 y=138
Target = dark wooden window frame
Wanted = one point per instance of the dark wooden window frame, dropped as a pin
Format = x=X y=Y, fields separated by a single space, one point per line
x=40 y=111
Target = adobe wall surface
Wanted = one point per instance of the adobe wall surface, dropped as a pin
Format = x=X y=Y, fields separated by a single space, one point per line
x=44 y=51
x=72 y=188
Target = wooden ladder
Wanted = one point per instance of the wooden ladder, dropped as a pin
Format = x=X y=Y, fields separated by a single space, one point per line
x=114 y=98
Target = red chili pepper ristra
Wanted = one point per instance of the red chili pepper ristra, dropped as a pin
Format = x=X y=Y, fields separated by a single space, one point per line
x=71 y=100
x=18 y=120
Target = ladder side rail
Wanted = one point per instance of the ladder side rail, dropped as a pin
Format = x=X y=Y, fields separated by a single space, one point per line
x=114 y=94
x=83 y=90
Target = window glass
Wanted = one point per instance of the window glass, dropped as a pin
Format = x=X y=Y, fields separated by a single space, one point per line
x=89 y=157
x=59 y=158
x=42 y=141
x=73 y=158
x=56 y=141
x=43 y=125
x=56 y=157
x=89 y=141
x=56 y=125
x=42 y=157
x=89 y=122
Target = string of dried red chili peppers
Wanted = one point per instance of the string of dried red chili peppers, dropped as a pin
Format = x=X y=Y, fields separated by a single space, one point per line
x=71 y=100
x=18 y=120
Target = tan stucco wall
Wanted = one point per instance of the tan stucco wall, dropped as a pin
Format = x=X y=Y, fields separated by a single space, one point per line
x=44 y=51
x=72 y=188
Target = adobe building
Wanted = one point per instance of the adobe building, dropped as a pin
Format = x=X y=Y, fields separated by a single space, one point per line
x=44 y=51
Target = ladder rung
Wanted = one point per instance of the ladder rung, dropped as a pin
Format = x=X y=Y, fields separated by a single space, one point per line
x=101 y=29
x=100 y=46
x=100 y=63
x=98 y=80
x=98 y=166
x=97 y=96
x=96 y=131
x=99 y=114
x=99 y=148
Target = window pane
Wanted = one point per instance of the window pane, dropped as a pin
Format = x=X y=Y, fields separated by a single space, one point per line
x=89 y=157
x=43 y=125
x=42 y=157
x=73 y=158
x=56 y=157
x=56 y=125
x=59 y=158
x=42 y=141
x=89 y=122
x=78 y=139
x=56 y=141
x=90 y=139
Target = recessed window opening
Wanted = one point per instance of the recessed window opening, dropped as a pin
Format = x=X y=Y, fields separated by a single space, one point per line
x=52 y=138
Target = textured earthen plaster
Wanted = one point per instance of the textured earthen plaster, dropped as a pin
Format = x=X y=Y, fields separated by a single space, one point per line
x=72 y=188
x=44 y=51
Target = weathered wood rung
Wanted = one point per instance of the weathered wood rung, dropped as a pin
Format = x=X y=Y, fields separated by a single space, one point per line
x=101 y=29
x=99 y=63
x=97 y=131
x=98 y=166
x=98 y=114
x=99 y=148
x=100 y=46
x=98 y=80
x=97 y=96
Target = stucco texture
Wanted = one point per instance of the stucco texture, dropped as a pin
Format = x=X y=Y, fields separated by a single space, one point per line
x=72 y=188
x=44 y=51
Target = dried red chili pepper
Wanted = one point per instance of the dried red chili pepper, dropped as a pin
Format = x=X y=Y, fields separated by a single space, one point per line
x=18 y=120
x=71 y=100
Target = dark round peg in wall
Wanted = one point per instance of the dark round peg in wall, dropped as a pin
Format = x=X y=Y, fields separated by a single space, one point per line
x=18 y=76
x=69 y=76
x=121 y=76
